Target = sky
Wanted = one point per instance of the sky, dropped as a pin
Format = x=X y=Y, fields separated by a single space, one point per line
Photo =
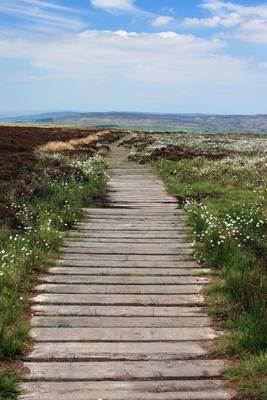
x=170 y=56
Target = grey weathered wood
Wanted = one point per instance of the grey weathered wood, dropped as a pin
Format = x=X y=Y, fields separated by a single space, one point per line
x=109 y=322
x=124 y=280
x=149 y=258
x=115 y=289
x=104 y=248
x=132 y=234
x=132 y=227
x=123 y=370
x=160 y=247
x=151 y=390
x=121 y=334
x=131 y=299
x=120 y=271
x=119 y=351
x=80 y=236
x=118 y=311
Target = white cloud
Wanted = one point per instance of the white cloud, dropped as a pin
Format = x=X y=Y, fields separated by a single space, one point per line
x=245 y=11
x=162 y=20
x=109 y=5
x=249 y=22
x=46 y=14
x=213 y=22
x=105 y=56
x=105 y=69
x=254 y=31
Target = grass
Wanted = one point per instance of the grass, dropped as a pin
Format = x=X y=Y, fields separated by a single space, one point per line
x=226 y=201
x=46 y=201
x=9 y=386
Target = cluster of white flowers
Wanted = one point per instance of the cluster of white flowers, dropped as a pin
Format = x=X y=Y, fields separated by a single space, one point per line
x=241 y=226
x=92 y=167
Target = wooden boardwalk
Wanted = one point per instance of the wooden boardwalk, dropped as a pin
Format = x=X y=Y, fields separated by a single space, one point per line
x=123 y=317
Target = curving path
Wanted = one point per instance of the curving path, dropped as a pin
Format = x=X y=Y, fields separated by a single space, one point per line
x=123 y=317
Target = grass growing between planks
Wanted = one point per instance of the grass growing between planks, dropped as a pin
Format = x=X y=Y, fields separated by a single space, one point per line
x=227 y=206
x=47 y=201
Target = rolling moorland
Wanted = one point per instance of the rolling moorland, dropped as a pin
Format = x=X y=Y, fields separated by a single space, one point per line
x=151 y=122
x=48 y=175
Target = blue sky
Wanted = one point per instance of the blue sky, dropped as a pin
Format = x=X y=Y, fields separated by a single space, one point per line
x=133 y=55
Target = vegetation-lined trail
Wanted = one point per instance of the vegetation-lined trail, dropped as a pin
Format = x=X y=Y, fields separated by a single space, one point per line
x=124 y=318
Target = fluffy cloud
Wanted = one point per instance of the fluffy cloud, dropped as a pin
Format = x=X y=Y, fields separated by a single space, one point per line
x=104 y=55
x=108 y=5
x=162 y=71
x=162 y=20
x=249 y=22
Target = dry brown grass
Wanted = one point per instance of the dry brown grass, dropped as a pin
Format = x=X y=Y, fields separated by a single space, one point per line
x=54 y=147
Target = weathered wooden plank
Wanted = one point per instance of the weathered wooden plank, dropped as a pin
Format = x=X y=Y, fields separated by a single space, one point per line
x=133 y=227
x=109 y=299
x=120 y=271
x=152 y=390
x=129 y=247
x=119 y=212
x=79 y=247
x=118 y=311
x=108 y=322
x=125 y=370
x=119 y=289
x=149 y=258
x=131 y=234
x=79 y=236
x=118 y=351
x=124 y=280
x=121 y=334
x=132 y=220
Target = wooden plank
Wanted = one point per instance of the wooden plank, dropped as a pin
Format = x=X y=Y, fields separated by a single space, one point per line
x=124 y=280
x=127 y=247
x=149 y=258
x=109 y=322
x=120 y=271
x=132 y=227
x=121 y=334
x=118 y=351
x=83 y=237
x=129 y=212
x=118 y=311
x=79 y=247
x=130 y=220
x=131 y=234
x=119 y=289
x=119 y=299
x=118 y=211
x=151 y=390
x=100 y=261
x=125 y=370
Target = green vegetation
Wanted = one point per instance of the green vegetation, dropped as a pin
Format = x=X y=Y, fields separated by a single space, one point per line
x=44 y=202
x=9 y=387
x=226 y=201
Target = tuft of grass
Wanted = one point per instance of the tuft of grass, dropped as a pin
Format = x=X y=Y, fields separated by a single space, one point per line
x=9 y=386
x=250 y=376
x=54 y=147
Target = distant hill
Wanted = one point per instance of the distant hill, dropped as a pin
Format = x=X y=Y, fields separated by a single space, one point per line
x=151 y=122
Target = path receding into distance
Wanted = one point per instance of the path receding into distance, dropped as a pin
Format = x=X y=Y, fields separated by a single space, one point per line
x=123 y=318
